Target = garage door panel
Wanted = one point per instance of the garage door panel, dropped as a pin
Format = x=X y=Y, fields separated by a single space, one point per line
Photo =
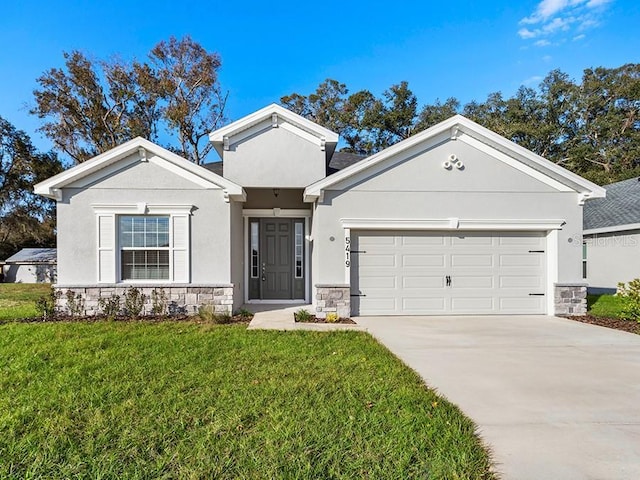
x=423 y=281
x=404 y=273
x=377 y=260
x=422 y=240
x=471 y=260
x=474 y=240
x=421 y=304
x=472 y=304
x=473 y=281
x=528 y=304
x=380 y=281
x=521 y=281
x=521 y=260
x=423 y=260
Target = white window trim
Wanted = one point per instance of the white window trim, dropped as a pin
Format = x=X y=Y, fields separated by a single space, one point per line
x=170 y=210
x=451 y=224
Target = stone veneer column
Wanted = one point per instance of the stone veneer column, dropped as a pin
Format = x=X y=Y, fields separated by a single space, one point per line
x=570 y=299
x=333 y=298
x=181 y=299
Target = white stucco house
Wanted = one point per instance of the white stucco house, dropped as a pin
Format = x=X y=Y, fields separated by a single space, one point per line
x=454 y=220
x=612 y=237
x=30 y=265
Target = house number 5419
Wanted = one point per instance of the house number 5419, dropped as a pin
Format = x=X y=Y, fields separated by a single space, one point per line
x=347 y=252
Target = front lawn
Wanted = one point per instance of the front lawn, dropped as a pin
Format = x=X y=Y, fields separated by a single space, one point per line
x=17 y=300
x=187 y=400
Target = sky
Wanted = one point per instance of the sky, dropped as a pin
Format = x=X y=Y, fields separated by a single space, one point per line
x=463 y=49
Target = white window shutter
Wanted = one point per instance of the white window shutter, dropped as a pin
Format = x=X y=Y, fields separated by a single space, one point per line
x=180 y=248
x=106 y=249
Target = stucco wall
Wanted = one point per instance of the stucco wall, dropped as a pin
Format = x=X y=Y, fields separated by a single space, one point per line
x=420 y=188
x=274 y=157
x=149 y=183
x=612 y=258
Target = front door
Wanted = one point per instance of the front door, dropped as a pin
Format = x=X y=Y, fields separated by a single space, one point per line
x=276 y=269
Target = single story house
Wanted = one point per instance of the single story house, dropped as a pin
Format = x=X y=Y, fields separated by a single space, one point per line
x=454 y=220
x=612 y=237
x=30 y=265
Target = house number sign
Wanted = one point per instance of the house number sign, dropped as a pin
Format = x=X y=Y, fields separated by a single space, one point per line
x=347 y=252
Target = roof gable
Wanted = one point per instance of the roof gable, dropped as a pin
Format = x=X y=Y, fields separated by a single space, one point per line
x=459 y=128
x=106 y=163
x=273 y=116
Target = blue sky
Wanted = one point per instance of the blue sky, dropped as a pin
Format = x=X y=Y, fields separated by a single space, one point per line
x=465 y=49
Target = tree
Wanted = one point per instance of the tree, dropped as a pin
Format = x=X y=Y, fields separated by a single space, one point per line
x=90 y=106
x=26 y=219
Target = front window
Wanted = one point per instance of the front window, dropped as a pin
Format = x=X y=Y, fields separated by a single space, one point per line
x=144 y=247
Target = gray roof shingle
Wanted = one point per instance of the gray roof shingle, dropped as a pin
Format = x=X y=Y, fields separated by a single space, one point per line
x=620 y=207
x=34 y=255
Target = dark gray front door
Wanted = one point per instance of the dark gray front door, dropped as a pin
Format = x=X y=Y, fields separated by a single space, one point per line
x=276 y=259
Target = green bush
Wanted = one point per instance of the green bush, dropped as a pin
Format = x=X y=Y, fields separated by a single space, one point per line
x=630 y=292
x=332 y=317
x=244 y=313
x=208 y=314
x=75 y=303
x=46 y=304
x=110 y=306
x=134 y=302
x=303 y=315
x=159 y=301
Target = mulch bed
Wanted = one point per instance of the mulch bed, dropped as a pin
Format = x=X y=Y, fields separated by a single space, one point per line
x=347 y=321
x=630 y=326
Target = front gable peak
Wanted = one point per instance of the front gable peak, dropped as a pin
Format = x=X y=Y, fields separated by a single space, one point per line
x=273 y=116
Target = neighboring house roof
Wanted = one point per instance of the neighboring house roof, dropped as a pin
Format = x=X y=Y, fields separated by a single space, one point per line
x=279 y=117
x=33 y=255
x=51 y=187
x=215 y=167
x=463 y=129
x=620 y=210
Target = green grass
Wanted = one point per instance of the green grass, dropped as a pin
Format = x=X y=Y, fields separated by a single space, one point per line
x=186 y=400
x=605 y=306
x=17 y=300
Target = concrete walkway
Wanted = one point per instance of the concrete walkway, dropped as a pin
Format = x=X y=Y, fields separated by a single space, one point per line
x=554 y=399
x=280 y=317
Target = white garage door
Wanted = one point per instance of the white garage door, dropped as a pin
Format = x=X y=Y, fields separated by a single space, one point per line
x=421 y=273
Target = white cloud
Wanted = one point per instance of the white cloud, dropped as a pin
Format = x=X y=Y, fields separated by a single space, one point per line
x=532 y=80
x=547 y=58
x=553 y=18
x=579 y=37
x=542 y=43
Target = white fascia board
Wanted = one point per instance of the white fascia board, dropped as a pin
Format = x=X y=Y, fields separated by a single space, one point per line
x=50 y=187
x=457 y=125
x=452 y=224
x=233 y=129
x=612 y=229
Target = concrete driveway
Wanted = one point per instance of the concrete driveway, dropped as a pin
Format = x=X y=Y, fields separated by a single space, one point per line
x=554 y=399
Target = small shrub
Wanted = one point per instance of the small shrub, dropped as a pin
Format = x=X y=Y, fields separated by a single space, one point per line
x=630 y=292
x=134 y=302
x=46 y=305
x=110 y=306
x=159 y=302
x=303 y=315
x=244 y=313
x=75 y=303
x=207 y=313
x=332 y=317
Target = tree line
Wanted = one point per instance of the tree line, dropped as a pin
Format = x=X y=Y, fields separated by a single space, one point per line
x=174 y=98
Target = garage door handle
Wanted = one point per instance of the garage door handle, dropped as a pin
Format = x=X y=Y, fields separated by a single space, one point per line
x=536 y=294
x=536 y=251
x=448 y=279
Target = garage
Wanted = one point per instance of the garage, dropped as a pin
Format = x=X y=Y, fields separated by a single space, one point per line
x=435 y=273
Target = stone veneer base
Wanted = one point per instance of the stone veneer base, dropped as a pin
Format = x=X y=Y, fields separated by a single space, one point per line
x=333 y=298
x=180 y=298
x=570 y=299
